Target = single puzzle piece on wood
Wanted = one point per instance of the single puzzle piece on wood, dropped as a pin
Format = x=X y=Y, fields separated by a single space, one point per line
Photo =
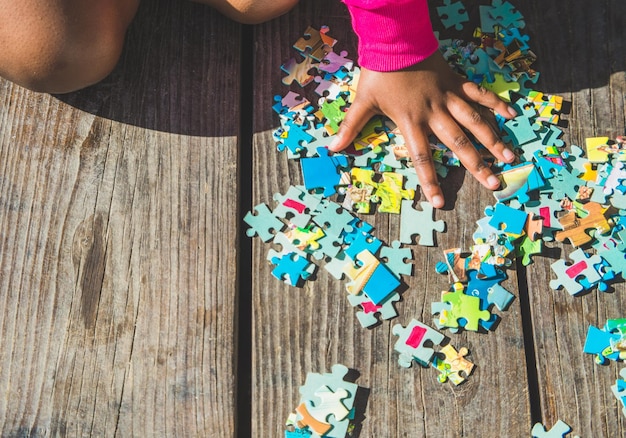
x=419 y=222
x=453 y=366
x=559 y=430
x=416 y=342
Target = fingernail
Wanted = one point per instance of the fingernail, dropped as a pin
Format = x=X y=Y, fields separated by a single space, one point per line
x=512 y=111
x=493 y=181
x=508 y=155
x=437 y=201
x=334 y=144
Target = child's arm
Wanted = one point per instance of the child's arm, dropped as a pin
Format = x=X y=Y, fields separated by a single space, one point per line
x=404 y=77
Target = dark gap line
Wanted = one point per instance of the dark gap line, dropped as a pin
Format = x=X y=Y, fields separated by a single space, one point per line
x=534 y=394
x=243 y=350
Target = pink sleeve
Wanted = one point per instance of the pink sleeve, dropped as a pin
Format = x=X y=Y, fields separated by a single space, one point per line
x=393 y=34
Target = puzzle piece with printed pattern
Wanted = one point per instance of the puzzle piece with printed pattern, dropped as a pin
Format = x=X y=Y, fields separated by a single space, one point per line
x=463 y=311
x=390 y=193
x=333 y=112
x=416 y=342
x=298 y=72
x=569 y=274
x=315 y=44
x=293 y=136
x=369 y=275
x=506 y=219
x=334 y=62
x=453 y=366
x=367 y=315
x=577 y=229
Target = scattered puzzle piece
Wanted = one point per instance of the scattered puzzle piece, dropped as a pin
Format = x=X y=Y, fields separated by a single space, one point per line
x=415 y=343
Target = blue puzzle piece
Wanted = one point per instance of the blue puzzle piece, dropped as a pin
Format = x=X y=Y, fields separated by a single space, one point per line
x=292 y=268
x=598 y=342
x=324 y=171
x=381 y=284
x=508 y=219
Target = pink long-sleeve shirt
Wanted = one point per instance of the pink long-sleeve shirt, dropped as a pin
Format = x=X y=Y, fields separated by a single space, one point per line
x=393 y=34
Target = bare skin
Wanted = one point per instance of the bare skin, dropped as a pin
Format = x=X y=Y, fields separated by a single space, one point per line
x=430 y=98
x=59 y=46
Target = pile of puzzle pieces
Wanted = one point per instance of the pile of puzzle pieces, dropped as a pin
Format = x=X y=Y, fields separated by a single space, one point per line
x=315 y=224
x=608 y=343
x=326 y=406
x=550 y=194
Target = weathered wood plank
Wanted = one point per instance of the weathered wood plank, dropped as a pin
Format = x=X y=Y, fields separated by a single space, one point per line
x=118 y=284
x=309 y=329
x=583 y=61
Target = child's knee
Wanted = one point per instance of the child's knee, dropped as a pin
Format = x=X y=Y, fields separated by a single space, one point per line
x=251 y=11
x=56 y=53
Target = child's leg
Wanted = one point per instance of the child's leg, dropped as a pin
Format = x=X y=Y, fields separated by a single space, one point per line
x=251 y=11
x=59 y=46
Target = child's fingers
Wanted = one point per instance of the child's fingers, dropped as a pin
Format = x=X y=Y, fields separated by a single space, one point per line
x=487 y=98
x=418 y=146
x=356 y=118
x=450 y=133
x=477 y=124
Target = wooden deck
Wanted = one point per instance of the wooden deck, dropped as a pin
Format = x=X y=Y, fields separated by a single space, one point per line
x=133 y=304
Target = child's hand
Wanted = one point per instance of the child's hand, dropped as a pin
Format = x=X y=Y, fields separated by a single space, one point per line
x=430 y=98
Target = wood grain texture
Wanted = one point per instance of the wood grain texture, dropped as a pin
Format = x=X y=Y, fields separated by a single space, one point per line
x=118 y=274
x=307 y=330
x=584 y=63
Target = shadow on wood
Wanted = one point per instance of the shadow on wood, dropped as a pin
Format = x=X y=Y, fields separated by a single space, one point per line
x=181 y=59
